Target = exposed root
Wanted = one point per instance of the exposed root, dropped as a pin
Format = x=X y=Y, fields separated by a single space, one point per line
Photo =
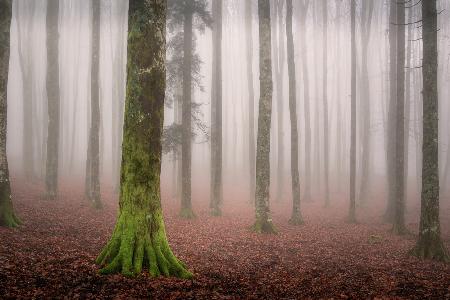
x=9 y=219
x=264 y=226
x=187 y=213
x=134 y=247
x=434 y=250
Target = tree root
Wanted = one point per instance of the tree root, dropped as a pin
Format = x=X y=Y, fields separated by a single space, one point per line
x=431 y=250
x=296 y=220
x=134 y=246
x=264 y=226
x=187 y=213
x=9 y=219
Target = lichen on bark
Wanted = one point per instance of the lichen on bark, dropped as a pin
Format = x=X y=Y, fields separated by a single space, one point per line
x=139 y=239
x=7 y=215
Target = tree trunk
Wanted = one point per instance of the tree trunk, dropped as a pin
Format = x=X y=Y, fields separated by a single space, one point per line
x=263 y=222
x=399 y=208
x=186 y=147
x=7 y=215
x=251 y=94
x=429 y=244
x=391 y=149
x=53 y=96
x=93 y=155
x=139 y=238
x=352 y=210
x=216 y=112
x=296 y=218
x=325 y=104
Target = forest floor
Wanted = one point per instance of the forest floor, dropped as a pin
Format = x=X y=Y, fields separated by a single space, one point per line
x=52 y=255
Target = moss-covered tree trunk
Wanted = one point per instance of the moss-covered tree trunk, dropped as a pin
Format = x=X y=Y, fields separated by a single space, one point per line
x=139 y=238
x=296 y=218
x=263 y=222
x=7 y=216
x=186 y=140
x=93 y=154
x=429 y=244
x=216 y=112
x=251 y=95
x=399 y=207
x=53 y=98
x=352 y=209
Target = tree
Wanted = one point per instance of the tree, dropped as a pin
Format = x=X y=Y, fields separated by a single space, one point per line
x=263 y=222
x=296 y=218
x=251 y=94
x=326 y=139
x=93 y=153
x=139 y=239
x=7 y=216
x=430 y=245
x=399 y=208
x=53 y=96
x=352 y=210
x=185 y=13
x=216 y=112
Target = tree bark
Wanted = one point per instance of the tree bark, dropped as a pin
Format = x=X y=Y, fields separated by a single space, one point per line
x=7 y=215
x=429 y=244
x=139 y=238
x=216 y=112
x=53 y=96
x=325 y=104
x=263 y=222
x=352 y=210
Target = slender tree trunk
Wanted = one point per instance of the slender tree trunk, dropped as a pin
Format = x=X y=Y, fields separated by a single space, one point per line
x=263 y=222
x=340 y=120
x=93 y=156
x=326 y=139
x=429 y=244
x=216 y=112
x=296 y=218
x=53 y=97
x=7 y=215
x=399 y=208
x=251 y=95
x=391 y=149
x=186 y=148
x=139 y=238
x=352 y=210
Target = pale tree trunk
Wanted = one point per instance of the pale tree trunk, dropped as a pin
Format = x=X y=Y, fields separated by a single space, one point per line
x=326 y=139
x=352 y=210
x=263 y=222
x=216 y=112
x=399 y=208
x=93 y=155
x=53 y=96
x=296 y=218
x=429 y=244
x=251 y=94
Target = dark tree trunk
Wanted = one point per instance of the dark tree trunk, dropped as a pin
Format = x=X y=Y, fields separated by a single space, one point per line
x=296 y=218
x=352 y=210
x=93 y=155
x=263 y=222
x=216 y=112
x=53 y=97
x=429 y=244
x=186 y=147
x=7 y=216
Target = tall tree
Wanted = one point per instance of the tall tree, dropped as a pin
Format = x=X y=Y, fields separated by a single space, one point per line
x=139 y=238
x=366 y=29
x=216 y=111
x=53 y=98
x=7 y=215
x=326 y=139
x=304 y=5
x=399 y=215
x=391 y=132
x=296 y=218
x=263 y=222
x=251 y=93
x=352 y=210
x=429 y=244
x=93 y=154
